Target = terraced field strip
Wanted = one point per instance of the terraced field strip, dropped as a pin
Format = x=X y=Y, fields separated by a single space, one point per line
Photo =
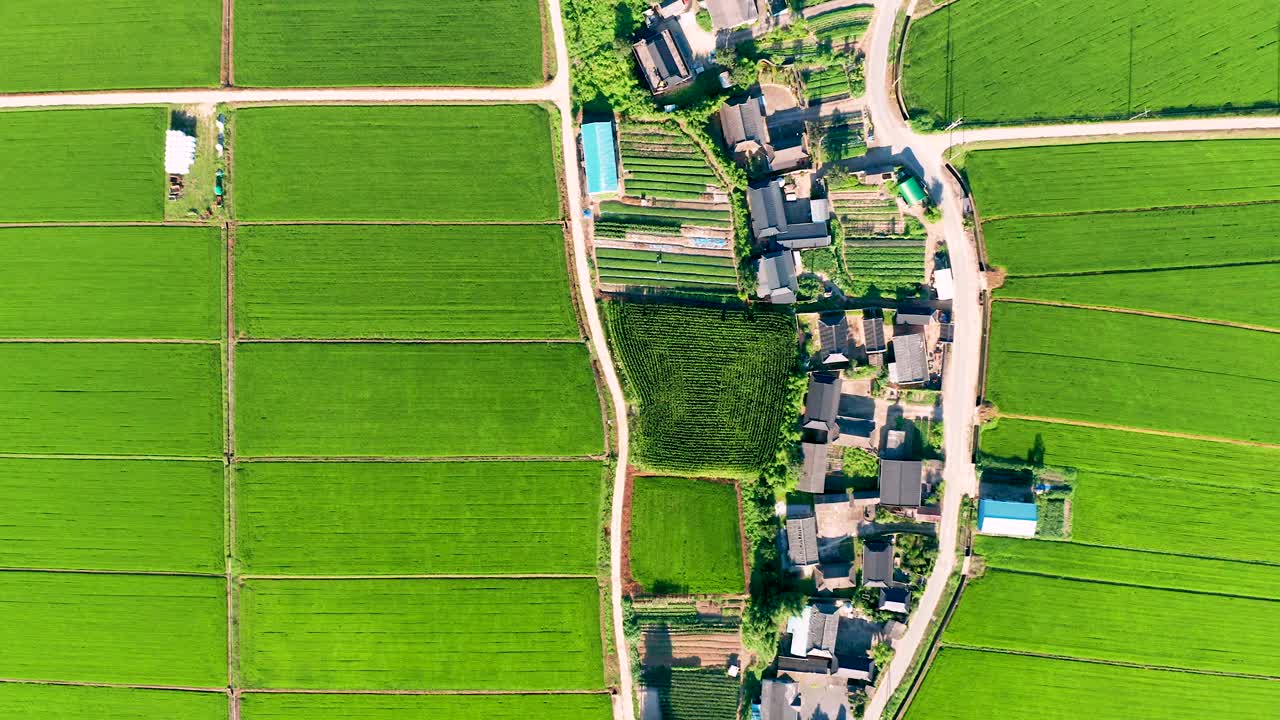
x=1131 y=370
x=1144 y=313
x=95 y=701
x=1059 y=689
x=1133 y=625
x=297 y=705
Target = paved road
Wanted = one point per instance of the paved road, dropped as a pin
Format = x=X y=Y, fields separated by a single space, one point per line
x=556 y=92
x=925 y=153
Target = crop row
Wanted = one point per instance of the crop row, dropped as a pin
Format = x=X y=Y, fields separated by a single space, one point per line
x=619 y=229
x=718 y=409
x=848 y=23
x=694 y=694
x=655 y=256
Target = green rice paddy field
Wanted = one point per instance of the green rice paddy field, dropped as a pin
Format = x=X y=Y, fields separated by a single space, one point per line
x=82 y=165
x=685 y=536
x=421 y=634
x=1052 y=689
x=284 y=706
x=418 y=518
x=1118 y=452
x=446 y=163
x=111 y=399
x=127 y=518
x=401 y=42
x=55 y=45
x=1011 y=61
x=462 y=400
x=52 y=702
x=136 y=629
x=112 y=515
x=1091 y=177
x=403 y=281
x=1134 y=371
x=112 y=282
x=1125 y=623
x=1109 y=564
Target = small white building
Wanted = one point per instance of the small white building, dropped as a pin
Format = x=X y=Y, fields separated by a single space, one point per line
x=999 y=517
x=179 y=152
x=944 y=284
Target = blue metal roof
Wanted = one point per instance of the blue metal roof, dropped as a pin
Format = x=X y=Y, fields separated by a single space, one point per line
x=1005 y=510
x=600 y=158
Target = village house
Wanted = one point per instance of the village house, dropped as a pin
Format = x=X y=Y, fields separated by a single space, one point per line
x=895 y=600
x=662 y=58
x=910 y=364
x=776 y=279
x=901 y=483
x=873 y=334
x=730 y=14
x=791 y=222
x=877 y=564
x=745 y=128
x=802 y=540
x=834 y=340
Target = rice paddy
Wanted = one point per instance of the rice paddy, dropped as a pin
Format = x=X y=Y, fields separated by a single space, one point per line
x=685 y=536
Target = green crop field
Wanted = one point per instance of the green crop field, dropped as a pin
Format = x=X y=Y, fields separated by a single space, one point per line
x=82 y=165
x=447 y=163
x=1134 y=371
x=396 y=42
x=1112 y=510
x=1031 y=613
x=421 y=634
x=285 y=706
x=1147 y=240
x=112 y=515
x=992 y=61
x=137 y=629
x=1246 y=294
x=474 y=399
x=1124 y=175
x=695 y=693
x=709 y=385
x=1118 y=452
x=1107 y=564
x=418 y=518
x=111 y=399
x=685 y=536
x=62 y=702
x=109 y=45
x=111 y=282
x=967 y=684
x=403 y=281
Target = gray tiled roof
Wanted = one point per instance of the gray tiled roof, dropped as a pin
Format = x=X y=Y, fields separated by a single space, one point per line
x=910 y=365
x=802 y=540
x=877 y=564
x=901 y=482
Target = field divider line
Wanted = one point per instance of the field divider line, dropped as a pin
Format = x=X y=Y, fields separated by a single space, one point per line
x=1118 y=583
x=312 y=691
x=1138 y=271
x=251 y=97
x=1166 y=553
x=123 y=686
x=441 y=576
x=69 y=456
x=229 y=448
x=1122 y=211
x=1143 y=431
x=107 y=341
x=1142 y=313
x=386 y=223
x=81 y=571
x=426 y=459
x=138 y=223
x=1114 y=663
x=408 y=341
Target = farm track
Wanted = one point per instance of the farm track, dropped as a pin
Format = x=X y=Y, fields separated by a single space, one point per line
x=410 y=341
x=65 y=456
x=1144 y=431
x=424 y=459
x=1144 y=313
x=1117 y=663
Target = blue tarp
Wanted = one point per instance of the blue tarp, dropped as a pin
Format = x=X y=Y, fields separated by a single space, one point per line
x=600 y=158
